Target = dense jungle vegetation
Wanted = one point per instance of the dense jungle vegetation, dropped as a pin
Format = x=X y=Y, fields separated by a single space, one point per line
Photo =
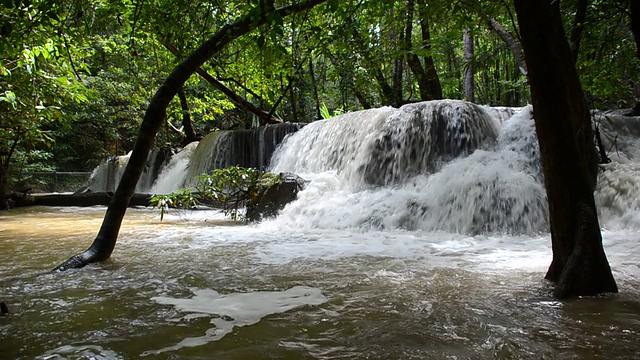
x=76 y=76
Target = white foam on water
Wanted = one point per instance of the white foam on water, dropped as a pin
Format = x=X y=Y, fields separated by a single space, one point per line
x=233 y=310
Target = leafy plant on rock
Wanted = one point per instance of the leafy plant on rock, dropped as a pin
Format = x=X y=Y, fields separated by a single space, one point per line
x=230 y=189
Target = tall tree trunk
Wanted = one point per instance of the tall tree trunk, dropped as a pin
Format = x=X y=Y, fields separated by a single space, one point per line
x=578 y=27
x=467 y=51
x=314 y=83
x=105 y=241
x=509 y=39
x=635 y=24
x=569 y=159
x=189 y=133
x=387 y=91
x=435 y=88
x=413 y=61
x=398 y=65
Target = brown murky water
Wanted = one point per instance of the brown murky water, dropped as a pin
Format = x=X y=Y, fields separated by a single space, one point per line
x=197 y=287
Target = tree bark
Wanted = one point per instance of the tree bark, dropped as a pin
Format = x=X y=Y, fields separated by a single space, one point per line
x=189 y=133
x=578 y=27
x=314 y=83
x=105 y=241
x=509 y=39
x=467 y=51
x=435 y=88
x=398 y=64
x=569 y=159
x=413 y=60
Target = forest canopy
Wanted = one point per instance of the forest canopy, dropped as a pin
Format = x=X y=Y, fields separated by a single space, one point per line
x=77 y=76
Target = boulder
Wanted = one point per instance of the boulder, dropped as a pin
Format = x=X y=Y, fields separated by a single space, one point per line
x=275 y=195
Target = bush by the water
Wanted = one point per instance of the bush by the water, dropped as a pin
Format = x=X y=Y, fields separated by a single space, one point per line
x=233 y=189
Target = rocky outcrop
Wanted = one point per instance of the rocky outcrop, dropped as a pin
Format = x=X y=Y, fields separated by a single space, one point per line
x=274 y=197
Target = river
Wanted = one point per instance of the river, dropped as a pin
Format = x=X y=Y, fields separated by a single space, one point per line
x=422 y=233
x=198 y=286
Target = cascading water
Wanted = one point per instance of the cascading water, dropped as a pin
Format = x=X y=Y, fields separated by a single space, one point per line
x=174 y=172
x=106 y=176
x=418 y=153
x=219 y=149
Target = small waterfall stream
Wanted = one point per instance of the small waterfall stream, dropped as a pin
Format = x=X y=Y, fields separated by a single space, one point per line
x=165 y=173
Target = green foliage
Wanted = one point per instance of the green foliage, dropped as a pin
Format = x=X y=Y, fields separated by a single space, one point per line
x=76 y=76
x=181 y=199
x=229 y=188
x=326 y=114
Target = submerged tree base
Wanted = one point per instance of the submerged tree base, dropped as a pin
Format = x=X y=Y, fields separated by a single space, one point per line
x=80 y=260
x=585 y=271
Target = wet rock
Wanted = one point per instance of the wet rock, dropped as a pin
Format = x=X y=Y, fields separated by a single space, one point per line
x=4 y=309
x=274 y=197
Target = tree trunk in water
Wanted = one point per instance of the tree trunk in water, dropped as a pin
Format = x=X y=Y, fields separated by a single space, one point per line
x=189 y=133
x=569 y=159
x=467 y=50
x=155 y=114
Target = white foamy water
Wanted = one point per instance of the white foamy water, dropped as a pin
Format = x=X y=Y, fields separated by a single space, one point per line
x=493 y=190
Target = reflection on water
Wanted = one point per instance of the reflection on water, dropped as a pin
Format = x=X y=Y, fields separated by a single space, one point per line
x=292 y=294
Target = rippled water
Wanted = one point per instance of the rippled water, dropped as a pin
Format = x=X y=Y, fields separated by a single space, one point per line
x=197 y=286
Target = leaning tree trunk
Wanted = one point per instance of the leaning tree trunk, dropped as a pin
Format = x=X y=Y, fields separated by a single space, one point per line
x=105 y=241
x=569 y=160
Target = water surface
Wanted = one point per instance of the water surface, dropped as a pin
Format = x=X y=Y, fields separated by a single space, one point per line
x=198 y=286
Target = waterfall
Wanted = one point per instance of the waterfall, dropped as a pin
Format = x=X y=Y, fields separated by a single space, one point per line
x=441 y=165
x=175 y=172
x=106 y=176
x=387 y=146
x=246 y=148
x=435 y=166
x=164 y=173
